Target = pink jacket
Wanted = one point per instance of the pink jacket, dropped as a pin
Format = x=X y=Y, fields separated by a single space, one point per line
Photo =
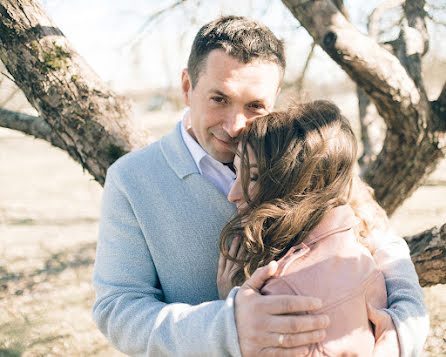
x=332 y=265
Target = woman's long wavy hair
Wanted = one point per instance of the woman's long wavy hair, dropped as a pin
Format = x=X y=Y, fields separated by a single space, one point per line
x=305 y=158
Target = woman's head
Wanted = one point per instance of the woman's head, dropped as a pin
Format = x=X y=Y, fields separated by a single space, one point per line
x=307 y=150
x=292 y=167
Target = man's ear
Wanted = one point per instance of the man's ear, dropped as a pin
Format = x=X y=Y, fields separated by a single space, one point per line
x=186 y=86
x=277 y=94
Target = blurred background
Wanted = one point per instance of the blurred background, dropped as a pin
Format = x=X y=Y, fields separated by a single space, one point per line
x=49 y=207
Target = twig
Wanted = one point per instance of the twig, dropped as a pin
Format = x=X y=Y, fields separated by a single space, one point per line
x=9 y=97
x=376 y=15
x=436 y=21
x=9 y=77
x=150 y=19
x=301 y=79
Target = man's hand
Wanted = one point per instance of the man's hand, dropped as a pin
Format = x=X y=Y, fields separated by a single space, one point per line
x=262 y=320
x=386 y=337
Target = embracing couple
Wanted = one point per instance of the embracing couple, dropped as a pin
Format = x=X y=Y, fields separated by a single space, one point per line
x=307 y=265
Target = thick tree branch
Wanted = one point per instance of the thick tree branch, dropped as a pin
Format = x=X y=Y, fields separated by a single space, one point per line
x=413 y=42
x=374 y=69
x=428 y=253
x=30 y=125
x=439 y=108
x=341 y=7
x=93 y=122
x=416 y=19
x=412 y=147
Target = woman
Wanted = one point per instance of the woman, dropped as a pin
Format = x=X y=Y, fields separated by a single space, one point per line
x=300 y=203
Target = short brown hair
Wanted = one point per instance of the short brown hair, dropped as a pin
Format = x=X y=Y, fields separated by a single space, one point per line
x=240 y=37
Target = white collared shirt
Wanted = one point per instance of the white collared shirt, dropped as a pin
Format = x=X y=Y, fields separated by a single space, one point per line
x=214 y=171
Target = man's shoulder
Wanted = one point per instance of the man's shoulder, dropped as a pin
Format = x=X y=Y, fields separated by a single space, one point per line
x=148 y=156
x=134 y=159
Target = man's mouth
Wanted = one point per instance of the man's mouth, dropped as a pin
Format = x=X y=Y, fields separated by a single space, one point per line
x=226 y=142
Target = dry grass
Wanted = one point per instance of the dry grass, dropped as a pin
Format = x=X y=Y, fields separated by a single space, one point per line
x=48 y=224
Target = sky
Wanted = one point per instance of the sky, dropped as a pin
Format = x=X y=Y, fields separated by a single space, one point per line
x=113 y=37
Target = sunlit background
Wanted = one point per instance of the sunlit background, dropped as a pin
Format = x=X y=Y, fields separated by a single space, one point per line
x=49 y=207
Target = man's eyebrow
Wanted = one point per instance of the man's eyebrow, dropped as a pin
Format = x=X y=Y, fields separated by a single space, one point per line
x=219 y=92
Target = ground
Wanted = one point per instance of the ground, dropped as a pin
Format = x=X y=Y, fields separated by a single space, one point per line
x=49 y=213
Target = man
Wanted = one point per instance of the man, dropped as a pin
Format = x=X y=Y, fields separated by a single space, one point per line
x=165 y=205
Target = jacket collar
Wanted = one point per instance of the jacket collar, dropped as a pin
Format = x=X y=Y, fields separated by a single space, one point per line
x=338 y=219
x=177 y=154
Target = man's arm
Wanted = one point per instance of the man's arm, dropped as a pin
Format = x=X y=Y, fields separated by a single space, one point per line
x=285 y=329
x=405 y=296
x=129 y=307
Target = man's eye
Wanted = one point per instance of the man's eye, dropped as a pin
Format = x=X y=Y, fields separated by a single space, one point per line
x=218 y=99
x=257 y=106
x=254 y=177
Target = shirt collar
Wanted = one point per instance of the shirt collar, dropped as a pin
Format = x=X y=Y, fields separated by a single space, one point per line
x=195 y=149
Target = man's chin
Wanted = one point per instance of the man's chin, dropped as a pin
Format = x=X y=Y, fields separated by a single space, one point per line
x=224 y=158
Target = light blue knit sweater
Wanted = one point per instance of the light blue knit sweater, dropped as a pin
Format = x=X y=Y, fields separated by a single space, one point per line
x=156 y=263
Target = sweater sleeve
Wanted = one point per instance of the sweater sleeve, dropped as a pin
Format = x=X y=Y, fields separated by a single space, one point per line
x=129 y=307
x=405 y=296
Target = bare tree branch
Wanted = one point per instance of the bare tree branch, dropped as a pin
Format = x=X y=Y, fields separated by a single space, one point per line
x=300 y=81
x=373 y=68
x=30 y=125
x=412 y=147
x=435 y=20
x=152 y=17
x=377 y=13
x=413 y=42
x=428 y=253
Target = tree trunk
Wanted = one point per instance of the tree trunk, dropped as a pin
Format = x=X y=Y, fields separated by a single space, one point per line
x=92 y=122
x=428 y=252
x=415 y=141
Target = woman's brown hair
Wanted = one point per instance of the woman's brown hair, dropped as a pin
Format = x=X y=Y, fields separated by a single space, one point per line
x=305 y=159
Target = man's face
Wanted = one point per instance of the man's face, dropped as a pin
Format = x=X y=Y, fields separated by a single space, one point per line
x=227 y=95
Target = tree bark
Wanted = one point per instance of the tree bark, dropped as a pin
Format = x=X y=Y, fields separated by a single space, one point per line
x=414 y=144
x=428 y=252
x=93 y=123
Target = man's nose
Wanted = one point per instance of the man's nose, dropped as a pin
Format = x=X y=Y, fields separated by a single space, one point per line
x=235 y=123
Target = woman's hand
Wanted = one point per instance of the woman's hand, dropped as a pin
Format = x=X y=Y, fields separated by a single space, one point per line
x=227 y=268
x=386 y=337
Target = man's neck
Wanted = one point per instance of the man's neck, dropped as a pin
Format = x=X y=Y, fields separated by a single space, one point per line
x=188 y=125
